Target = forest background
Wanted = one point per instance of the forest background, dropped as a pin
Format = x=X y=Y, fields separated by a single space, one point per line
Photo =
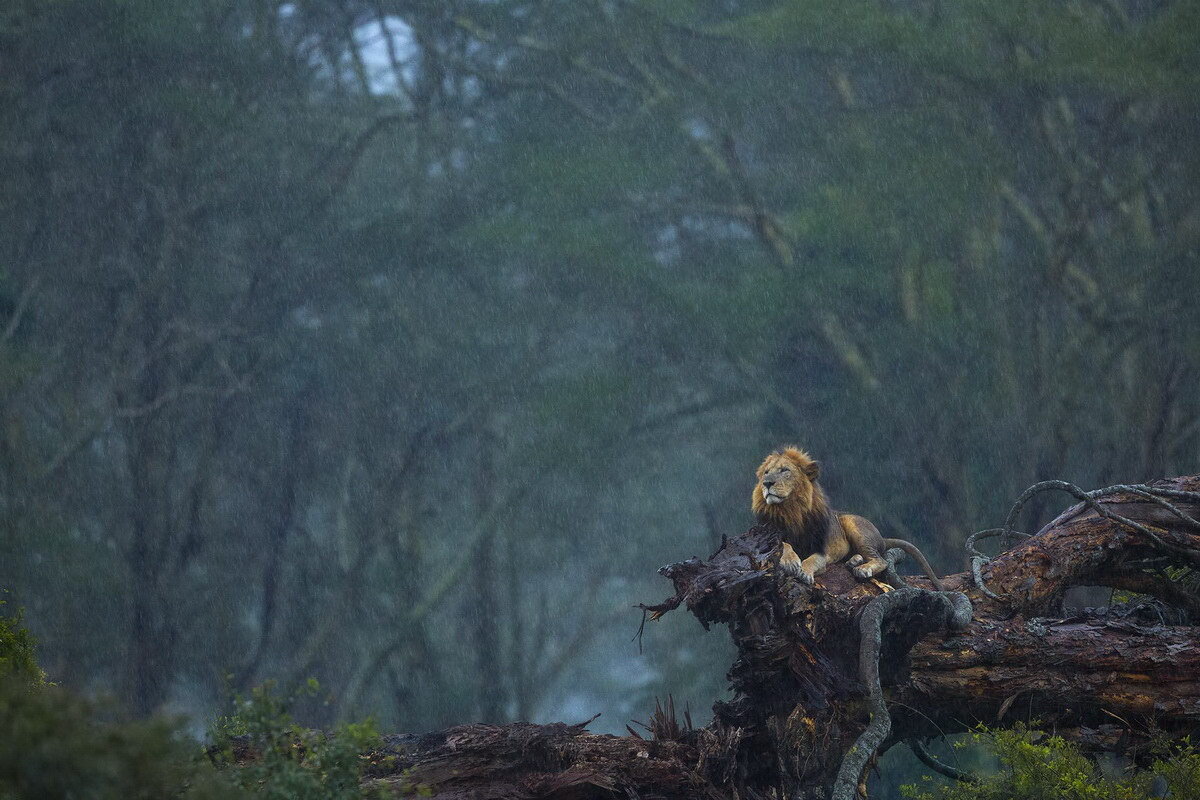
x=396 y=343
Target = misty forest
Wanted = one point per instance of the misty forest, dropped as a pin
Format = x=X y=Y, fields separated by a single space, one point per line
x=383 y=384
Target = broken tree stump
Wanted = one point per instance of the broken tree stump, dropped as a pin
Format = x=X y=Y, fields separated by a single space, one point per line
x=1107 y=678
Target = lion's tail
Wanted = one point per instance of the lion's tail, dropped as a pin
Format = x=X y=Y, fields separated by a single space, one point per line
x=912 y=550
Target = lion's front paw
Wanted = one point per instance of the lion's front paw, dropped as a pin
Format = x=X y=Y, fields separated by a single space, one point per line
x=806 y=577
x=862 y=572
x=791 y=567
x=856 y=559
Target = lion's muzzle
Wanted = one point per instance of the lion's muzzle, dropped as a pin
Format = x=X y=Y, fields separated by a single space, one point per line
x=770 y=497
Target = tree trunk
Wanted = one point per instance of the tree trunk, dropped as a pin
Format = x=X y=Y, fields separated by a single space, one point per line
x=821 y=670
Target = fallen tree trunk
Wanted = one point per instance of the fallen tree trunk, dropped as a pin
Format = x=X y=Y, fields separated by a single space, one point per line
x=832 y=669
x=539 y=761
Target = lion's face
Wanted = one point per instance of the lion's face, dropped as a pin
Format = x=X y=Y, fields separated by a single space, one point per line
x=779 y=478
x=786 y=476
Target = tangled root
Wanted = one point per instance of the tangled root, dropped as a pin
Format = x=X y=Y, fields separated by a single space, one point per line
x=956 y=615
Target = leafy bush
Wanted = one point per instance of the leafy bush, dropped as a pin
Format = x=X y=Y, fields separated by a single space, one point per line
x=53 y=746
x=283 y=760
x=56 y=745
x=1036 y=766
x=17 y=650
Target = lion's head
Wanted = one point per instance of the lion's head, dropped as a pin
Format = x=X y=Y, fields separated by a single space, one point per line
x=786 y=491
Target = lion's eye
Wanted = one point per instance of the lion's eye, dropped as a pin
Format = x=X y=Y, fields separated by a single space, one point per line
x=785 y=472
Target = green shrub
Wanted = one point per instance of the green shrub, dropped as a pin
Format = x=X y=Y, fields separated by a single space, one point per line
x=17 y=650
x=285 y=761
x=53 y=746
x=1037 y=766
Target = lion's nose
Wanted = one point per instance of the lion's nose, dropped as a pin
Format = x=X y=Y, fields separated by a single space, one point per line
x=767 y=482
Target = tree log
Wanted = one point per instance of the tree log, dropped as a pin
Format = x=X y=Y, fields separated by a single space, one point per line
x=1109 y=678
x=557 y=761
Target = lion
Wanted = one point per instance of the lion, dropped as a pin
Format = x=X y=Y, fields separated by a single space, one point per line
x=787 y=494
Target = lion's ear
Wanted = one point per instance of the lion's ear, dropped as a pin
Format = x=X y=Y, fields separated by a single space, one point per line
x=812 y=469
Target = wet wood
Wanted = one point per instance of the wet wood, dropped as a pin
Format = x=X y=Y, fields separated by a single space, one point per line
x=1106 y=678
x=554 y=762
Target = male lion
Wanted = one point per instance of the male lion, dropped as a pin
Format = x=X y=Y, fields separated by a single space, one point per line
x=787 y=494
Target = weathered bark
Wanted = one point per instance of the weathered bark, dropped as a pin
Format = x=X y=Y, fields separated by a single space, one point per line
x=1083 y=671
x=1107 y=677
x=558 y=761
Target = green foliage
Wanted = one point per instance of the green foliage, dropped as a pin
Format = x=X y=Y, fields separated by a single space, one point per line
x=17 y=650
x=1037 y=766
x=55 y=745
x=1057 y=42
x=1180 y=769
x=291 y=762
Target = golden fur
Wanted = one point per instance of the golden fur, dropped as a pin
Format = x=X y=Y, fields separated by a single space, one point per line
x=787 y=494
x=801 y=509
